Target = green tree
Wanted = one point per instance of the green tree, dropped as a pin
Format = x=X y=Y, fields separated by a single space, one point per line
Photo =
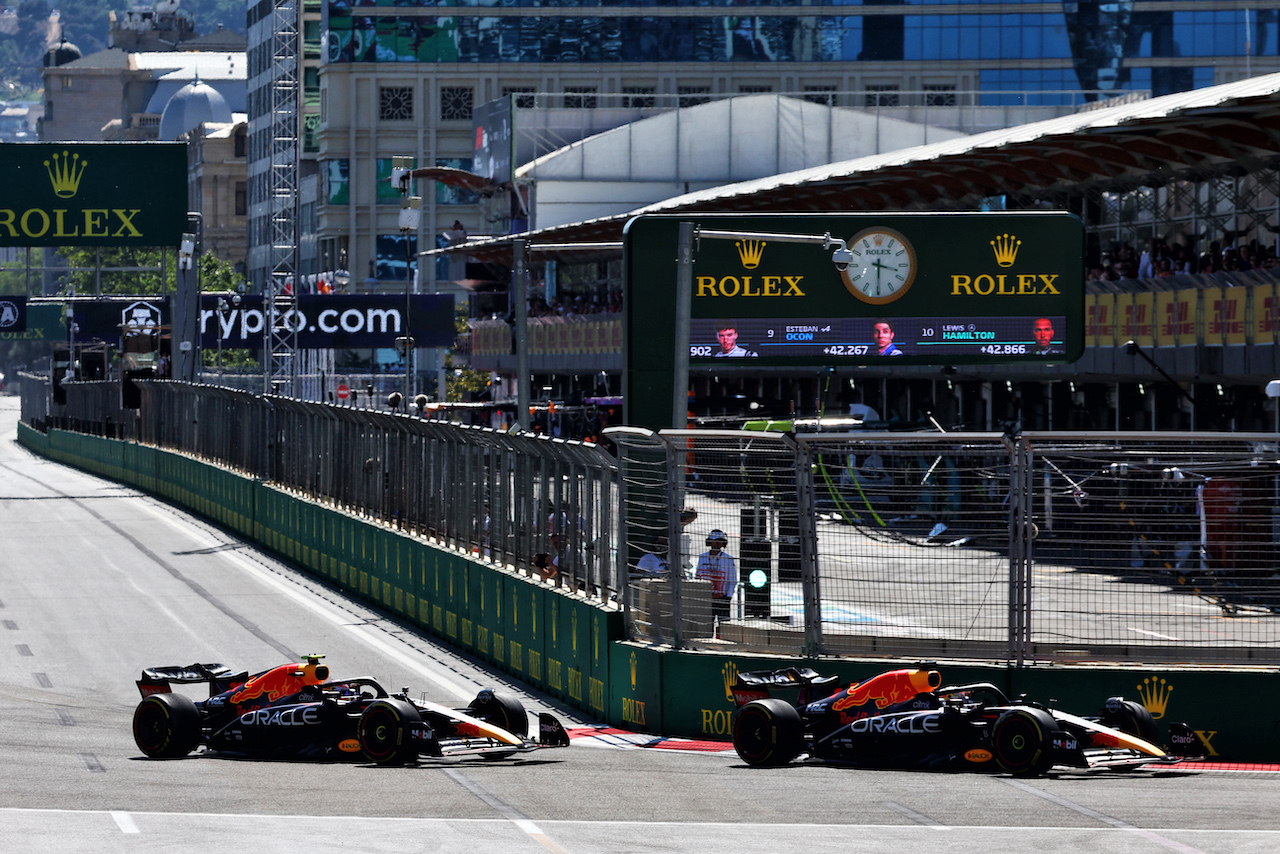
x=462 y=383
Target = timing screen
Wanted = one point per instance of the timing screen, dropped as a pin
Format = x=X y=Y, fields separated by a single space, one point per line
x=860 y=338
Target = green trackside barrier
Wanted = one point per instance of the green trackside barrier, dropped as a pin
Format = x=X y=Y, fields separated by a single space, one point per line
x=635 y=695
x=524 y=625
x=33 y=440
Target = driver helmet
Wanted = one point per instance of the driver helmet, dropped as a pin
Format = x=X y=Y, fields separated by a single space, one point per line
x=717 y=539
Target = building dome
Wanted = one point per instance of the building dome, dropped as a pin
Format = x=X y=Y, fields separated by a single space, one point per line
x=61 y=53
x=190 y=107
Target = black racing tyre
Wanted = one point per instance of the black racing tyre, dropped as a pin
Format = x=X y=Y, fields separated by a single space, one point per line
x=768 y=732
x=385 y=731
x=1022 y=741
x=1132 y=718
x=501 y=710
x=166 y=726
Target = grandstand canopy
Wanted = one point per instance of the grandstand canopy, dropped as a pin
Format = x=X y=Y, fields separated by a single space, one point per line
x=1228 y=129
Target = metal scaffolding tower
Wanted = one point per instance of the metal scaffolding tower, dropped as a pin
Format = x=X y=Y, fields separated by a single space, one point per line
x=280 y=332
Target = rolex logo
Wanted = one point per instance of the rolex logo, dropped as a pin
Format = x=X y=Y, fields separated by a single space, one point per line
x=730 y=674
x=65 y=173
x=1006 y=247
x=1154 y=693
x=751 y=251
x=633 y=671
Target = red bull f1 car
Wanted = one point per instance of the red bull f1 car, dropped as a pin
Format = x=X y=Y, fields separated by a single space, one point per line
x=906 y=719
x=295 y=711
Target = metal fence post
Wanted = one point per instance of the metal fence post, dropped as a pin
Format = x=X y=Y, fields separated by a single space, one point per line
x=673 y=540
x=1019 y=541
x=806 y=507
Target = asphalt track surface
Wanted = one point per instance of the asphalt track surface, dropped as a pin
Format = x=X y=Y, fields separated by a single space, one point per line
x=98 y=581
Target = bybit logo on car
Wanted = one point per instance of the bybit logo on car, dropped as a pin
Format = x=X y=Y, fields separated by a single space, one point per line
x=1005 y=248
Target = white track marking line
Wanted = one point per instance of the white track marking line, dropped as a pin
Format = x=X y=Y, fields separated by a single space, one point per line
x=125 y=822
x=1149 y=835
x=507 y=811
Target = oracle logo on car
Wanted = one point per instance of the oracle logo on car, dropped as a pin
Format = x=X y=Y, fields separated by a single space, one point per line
x=900 y=724
x=296 y=716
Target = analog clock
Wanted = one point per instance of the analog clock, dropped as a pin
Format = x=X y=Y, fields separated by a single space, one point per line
x=883 y=266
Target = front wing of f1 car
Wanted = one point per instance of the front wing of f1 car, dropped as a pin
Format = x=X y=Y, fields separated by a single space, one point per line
x=295 y=711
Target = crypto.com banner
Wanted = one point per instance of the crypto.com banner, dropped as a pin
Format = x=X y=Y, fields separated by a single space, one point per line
x=332 y=322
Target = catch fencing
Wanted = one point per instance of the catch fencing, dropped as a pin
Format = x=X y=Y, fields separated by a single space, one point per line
x=1041 y=546
x=540 y=506
x=1153 y=547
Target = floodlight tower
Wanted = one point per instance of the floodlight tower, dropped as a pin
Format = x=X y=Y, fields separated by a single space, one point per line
x=285 y=147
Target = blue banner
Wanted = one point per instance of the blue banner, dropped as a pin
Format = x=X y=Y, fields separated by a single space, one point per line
x=326 y=322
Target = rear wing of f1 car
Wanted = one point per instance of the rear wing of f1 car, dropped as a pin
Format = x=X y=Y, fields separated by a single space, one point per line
x=158 y=680
x=758 y=684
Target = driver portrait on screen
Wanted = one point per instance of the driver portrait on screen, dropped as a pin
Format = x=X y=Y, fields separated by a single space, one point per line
x=1042 y=331
x=882 y=334
x=727 y=335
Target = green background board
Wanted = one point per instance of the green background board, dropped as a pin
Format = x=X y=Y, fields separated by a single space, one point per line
x=584 y=660
x=635 y=691
x=959 y=277
x=45 y=322
x=89 y=194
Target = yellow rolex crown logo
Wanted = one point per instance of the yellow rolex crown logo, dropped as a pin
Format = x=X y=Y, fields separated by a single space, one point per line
x=65 y=173
x=633 y=671
x=1006 y=247
x=751 y=251
x=730 y=674
x=1154 y=693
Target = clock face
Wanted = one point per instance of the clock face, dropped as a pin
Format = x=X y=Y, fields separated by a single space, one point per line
x=883 y=266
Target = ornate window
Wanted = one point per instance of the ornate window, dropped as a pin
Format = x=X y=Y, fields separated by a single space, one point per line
x=456 y=103
x=883 y=96
x=638 y=97
x=395 y=103
x=524 y=96
x=580 y=97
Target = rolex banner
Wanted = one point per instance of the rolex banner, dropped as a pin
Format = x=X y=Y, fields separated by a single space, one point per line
x=93 y=194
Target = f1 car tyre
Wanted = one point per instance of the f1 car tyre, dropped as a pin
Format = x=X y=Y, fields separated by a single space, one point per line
x=1132 y=718
x=1022 y=741
x=386 y=730
x=768 y=732
x=166 y=726
x=502 y=710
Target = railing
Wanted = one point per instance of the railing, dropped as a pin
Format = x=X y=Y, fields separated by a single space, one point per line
x=516 y=500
